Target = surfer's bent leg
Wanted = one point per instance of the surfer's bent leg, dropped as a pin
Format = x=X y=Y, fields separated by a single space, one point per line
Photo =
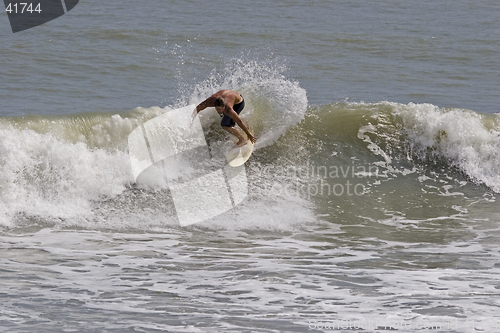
x=228 y=124
x=236 y=133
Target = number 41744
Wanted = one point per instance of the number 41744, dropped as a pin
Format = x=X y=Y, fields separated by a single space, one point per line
x=24 y=7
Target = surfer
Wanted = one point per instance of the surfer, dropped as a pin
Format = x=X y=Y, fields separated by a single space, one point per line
x=228 y=104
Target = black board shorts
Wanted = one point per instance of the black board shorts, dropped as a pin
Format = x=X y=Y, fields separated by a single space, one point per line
x=227 y=121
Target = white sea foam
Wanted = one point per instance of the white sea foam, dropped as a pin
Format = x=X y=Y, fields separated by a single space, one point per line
x=44 y=176
x=75 y=170
x=464 y=139
x=468 y=140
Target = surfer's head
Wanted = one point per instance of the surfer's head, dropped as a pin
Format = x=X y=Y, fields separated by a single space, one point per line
x=219 y=102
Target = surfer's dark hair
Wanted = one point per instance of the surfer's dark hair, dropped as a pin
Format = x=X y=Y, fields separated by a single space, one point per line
x=220 y=102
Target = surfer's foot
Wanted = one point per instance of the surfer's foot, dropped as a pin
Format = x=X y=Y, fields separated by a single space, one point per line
x=241 y=143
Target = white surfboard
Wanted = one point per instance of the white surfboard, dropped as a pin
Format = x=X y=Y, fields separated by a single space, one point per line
x=237 y=156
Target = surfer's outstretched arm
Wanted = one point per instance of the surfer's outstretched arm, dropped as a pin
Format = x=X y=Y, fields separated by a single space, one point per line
x=208 y=103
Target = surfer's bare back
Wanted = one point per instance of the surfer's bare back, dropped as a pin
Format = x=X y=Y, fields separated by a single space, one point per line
x=228 y=104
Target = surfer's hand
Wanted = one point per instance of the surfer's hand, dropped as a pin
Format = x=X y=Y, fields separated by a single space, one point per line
x=252 y=138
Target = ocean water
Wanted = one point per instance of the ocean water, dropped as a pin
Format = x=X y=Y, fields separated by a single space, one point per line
x=373 y=191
